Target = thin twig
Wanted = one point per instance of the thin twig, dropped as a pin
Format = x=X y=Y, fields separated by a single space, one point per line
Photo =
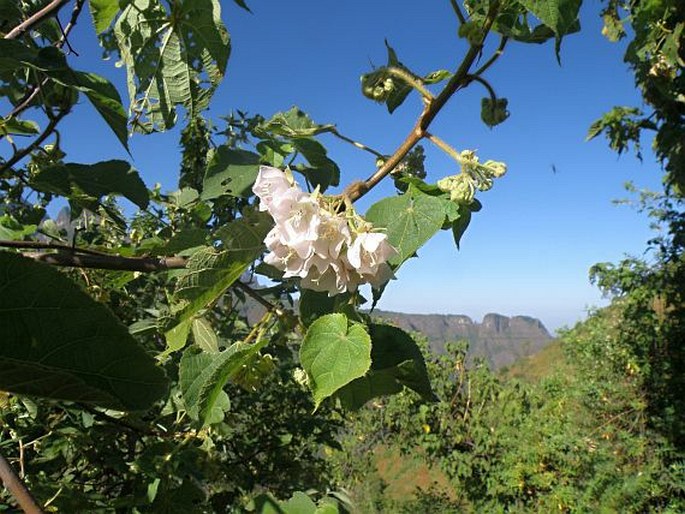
x=18 y=156
x=357 y=144
x=259 y=298
x=444 y=147
x=457 y=11
x=38 y=245
x=412 y=81
x=430 y=111
x=15 y=486
x=111 y=262
x=29 y=23
x=500 y=50
x=25 y=102
x=76 y=11
x=120 y=422
x=485 y=83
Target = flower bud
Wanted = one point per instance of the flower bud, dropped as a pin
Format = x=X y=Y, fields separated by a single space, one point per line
x=377 y=85
x=460 y=187
x=495 y=168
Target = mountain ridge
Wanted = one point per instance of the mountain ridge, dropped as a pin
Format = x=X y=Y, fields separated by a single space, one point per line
x=500 y=340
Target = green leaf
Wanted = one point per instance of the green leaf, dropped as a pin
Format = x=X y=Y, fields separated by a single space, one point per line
x=322 y=172
x=314 y=304
x=460 y=225
x=397 y=362
x=172 y=58
x=184 y=198
x=88 y=183
x=229 y=172
x=14 y=54
x=210 y=272
x=177 y=336
x=53 y=63
x=242 y=4
x=204 y=336
x=493 y=112
x=299 y=503
x=410 y=220
x=402 y=89
x=184 y=240
x=274 y=152
x=334 y=352
x=57 y=342
x=202 y=376
x=103 y=13
x=559 y=15
x=437 y=76
x=11 y=229
x=19 y=127
x=106 y=100
x=292 y=123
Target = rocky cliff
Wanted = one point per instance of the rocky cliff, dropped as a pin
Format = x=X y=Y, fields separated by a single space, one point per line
x=500 y=340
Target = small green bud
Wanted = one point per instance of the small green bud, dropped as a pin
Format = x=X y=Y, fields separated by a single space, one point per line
x=483 y=183
x=377 y=85
x=496 y=169
x=300 y=376
x=460 y=187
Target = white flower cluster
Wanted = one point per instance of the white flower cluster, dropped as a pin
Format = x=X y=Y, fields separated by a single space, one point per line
x=332 y=252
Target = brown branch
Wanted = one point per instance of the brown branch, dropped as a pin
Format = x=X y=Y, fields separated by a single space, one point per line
x=430 y=111
x=31 y=95
x=30 y=22
x=111 y=262
x=15 y=486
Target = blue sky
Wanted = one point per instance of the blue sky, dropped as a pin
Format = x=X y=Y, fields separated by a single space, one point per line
x=528 y=251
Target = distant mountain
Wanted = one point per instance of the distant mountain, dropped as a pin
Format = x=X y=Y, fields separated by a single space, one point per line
x=499 y=339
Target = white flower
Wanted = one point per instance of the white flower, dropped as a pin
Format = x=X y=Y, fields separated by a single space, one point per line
x=284 y=257
x=329 y=276
x=300 y=225
x=271 y=183
x=368 y=251
x=381 y=277
x=334 y=234
x=323 y=248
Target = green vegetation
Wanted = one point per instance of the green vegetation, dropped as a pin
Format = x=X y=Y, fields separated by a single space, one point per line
x=133 y=382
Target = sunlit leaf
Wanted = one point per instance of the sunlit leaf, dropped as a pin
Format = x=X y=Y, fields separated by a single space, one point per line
x=103 y=13
x=172 y=58
x=396 y=362
x=11 y=229
x=204 y=336
x=12 y=125
x=210 y=272
x=410 y=220
x=229 y=172
x=202 y=375
x=333 y=353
